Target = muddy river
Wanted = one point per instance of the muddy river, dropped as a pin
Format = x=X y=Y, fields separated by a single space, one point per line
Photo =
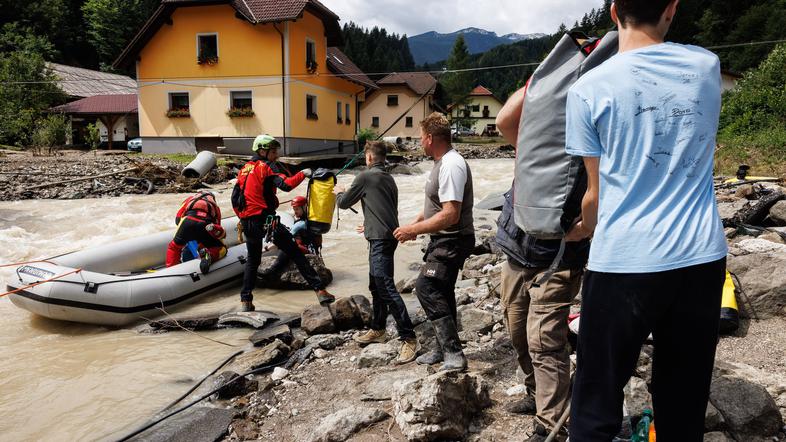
x=68 y=381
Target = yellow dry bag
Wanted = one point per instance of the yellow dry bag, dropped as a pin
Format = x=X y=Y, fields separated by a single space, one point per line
x=321 y=201
x=730 y=316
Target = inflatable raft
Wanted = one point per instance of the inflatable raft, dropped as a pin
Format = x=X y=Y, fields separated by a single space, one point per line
x=124 y=282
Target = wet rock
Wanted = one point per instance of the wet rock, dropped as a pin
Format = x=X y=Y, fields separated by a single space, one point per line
x=270 y=334
x=291 y=279
x=231 y=385
x=727 y=210
x=717 y=436
x=201 y=424
x=256 y=319
x=478 y=262
x=316 y=319
x=196 y=324
x=406 y=285
x=440 y=406
x=778 y=213
x=485 y=242
x=376 y=355
x=325 y=342
x=342 y=424
x=299 y=357
x=637 y=397
x=746 y=407
x=745 y=191
x=759 y=266
x=272 y=353
x=363 y=308
x=474 y=320
x=713 y=419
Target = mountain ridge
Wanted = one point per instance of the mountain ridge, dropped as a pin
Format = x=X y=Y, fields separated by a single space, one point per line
x=433 y=46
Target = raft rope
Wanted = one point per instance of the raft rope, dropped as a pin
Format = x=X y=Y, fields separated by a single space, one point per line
x=198 y=400
x=53 y=279
x=201 y=381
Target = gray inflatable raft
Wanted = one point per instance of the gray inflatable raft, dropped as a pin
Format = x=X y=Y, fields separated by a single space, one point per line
x=115 y=286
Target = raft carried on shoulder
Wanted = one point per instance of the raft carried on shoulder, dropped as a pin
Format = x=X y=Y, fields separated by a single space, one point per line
x=124 y=282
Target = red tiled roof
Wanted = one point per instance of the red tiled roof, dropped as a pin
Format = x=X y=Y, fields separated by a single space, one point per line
x=420 y=82
x=101 y=104
x=340 y=64
x=480 y=91
x=254 y=11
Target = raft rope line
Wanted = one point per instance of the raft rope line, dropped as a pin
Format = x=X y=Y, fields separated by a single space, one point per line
x=53 y=279
x=200 y=399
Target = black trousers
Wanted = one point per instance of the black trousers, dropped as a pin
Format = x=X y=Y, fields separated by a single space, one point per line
x=254 y=229
x=436 y=284
x=681 y=308
x=385 y=297
x=190 y=229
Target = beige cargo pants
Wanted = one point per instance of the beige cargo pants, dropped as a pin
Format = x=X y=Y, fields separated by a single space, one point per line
x=537 y=321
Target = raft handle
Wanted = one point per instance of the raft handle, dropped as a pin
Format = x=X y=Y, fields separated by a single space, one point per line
x=195 y=277
x=91 y=287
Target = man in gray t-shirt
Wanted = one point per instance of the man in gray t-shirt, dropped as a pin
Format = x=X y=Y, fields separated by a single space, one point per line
x=447 y=217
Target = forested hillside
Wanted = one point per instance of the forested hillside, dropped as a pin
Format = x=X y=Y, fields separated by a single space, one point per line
x=374 y=50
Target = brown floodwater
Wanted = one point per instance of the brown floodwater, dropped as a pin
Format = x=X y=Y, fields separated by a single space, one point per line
x=68 y=381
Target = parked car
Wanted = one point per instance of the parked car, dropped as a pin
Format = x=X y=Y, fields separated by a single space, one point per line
x=462 y=132
x=135 y=145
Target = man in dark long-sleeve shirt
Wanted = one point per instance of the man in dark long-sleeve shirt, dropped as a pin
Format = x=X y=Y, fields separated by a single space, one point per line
x=377 y=192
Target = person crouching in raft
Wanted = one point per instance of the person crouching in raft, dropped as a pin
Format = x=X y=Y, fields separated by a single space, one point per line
x=199 y=219
x=306 y=241
x=254 y=201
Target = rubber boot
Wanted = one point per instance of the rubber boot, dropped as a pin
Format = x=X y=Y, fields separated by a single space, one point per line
x=433 y=356
x=173 y=252
x=447 y=335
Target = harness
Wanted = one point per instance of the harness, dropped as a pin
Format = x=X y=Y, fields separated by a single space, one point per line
x=199 y=215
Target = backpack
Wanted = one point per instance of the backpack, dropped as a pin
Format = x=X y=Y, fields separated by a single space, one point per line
x=321 y=201
x=550 y=184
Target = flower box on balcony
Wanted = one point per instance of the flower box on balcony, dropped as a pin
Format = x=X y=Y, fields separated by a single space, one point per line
x=240 y=112
x=178 y=113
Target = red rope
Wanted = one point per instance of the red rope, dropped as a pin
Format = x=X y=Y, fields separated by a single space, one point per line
x=40 y=282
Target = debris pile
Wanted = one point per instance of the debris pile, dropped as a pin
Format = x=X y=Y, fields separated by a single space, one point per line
x=76 y=175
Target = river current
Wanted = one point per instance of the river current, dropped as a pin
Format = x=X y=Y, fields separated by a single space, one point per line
x=67 y=381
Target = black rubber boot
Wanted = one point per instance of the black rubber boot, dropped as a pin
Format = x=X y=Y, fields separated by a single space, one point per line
x=433 y=356
x=447 y=335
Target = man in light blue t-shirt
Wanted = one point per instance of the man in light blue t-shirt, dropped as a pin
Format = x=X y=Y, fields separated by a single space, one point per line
x=645 y=123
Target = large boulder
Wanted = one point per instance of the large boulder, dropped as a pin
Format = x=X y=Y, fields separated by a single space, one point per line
x=291 y=279
x=778 y=213
x=376 y=355
x=759 y=266
x=773 y=382
x=231 y=384
x=440 y=406
x=475 y=320
x=747 y=408
x=317 y=319
x=345 y=314
x=342 y=424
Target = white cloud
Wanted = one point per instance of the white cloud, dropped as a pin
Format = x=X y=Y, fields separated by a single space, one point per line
x=414 y=17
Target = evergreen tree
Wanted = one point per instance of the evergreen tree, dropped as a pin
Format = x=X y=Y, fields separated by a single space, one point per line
x=458 y=84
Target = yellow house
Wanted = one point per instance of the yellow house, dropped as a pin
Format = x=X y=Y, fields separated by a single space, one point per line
x=479 y=111
x=400 y=103
x=218 y=73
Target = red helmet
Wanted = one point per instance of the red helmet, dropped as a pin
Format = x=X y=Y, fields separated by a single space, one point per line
x=299 y=201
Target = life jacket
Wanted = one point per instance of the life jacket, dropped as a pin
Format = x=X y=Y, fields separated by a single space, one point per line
x=200 y=207
x=256 y=187
x=321 y=201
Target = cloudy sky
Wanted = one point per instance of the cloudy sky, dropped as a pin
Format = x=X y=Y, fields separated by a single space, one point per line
x=414 y=17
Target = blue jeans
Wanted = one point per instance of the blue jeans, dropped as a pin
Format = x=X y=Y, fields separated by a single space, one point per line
x=385 y=297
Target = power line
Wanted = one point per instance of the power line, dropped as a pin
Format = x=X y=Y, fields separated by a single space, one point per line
x=289 y=78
